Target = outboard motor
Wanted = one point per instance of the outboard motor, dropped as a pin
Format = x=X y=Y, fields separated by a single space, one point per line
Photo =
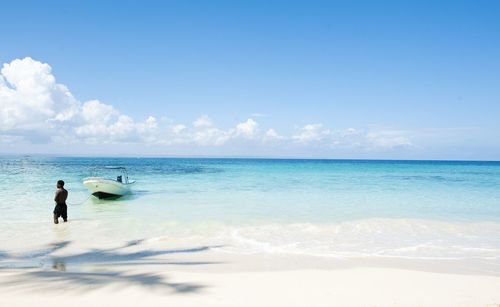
x=119 y=178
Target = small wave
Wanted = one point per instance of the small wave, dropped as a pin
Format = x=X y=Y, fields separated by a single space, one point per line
x=404 y=238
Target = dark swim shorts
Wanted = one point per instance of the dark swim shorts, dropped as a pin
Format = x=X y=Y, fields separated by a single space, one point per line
x=61 y=210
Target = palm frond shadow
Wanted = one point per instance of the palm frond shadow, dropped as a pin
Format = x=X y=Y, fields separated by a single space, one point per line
x=110 y=267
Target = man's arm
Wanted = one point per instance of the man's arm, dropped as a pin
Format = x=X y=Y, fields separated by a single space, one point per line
x=56 y=195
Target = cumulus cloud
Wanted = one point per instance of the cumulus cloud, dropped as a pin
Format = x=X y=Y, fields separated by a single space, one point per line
x=311 y=133
x=34 y=105
x=247 y=128
x=272 y=135
x=31 y=99
x=35 y=108
x=96 y=112
x=202 y=121
x=352 y=138
x=204 y=132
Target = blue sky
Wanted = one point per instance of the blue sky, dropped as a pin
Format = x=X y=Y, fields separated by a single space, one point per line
x=357 y=79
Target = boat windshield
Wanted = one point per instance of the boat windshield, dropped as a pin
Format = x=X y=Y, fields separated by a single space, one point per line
x=111 y=172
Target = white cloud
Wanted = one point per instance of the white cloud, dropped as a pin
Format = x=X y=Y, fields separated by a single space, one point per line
x=210 y=136
x=33 y=104
x=151 y=123
x=389 y=139
x=350 y=131
x=272 y=135
x=31 y=99
x=311 y=133
x=202 y=121
x=177 y=129
x=247 y=129
x=124 y=128
x=35 y=108
x=96 y=112
x=204 y=133
x=353 y=138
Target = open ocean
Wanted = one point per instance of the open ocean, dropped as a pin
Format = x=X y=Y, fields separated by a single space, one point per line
x=330 y=208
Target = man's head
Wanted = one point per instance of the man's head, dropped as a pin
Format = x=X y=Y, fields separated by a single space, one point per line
x=60 y=183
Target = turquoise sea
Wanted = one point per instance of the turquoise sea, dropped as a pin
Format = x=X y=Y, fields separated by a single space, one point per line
x=330 y=208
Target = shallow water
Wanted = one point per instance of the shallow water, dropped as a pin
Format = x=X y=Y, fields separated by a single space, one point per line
x=334 y=208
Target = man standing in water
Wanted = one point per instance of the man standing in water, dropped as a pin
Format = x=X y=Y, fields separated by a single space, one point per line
x=61 y=208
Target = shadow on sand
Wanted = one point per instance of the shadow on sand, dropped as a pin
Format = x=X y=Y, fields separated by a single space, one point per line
x=41 y=270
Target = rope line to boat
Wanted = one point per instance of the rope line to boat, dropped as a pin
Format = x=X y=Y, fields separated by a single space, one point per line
x=80 y=203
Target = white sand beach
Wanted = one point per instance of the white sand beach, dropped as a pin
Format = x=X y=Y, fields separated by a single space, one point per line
x=142 y=274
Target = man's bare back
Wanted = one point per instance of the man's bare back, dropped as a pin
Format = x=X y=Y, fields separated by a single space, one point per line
x=61 y=209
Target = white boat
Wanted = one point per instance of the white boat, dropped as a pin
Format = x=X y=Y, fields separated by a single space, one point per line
x=103 y=187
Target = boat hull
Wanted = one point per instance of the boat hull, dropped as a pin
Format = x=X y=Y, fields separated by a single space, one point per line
x=106 y=188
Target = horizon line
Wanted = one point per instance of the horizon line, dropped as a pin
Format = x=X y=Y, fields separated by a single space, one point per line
x=235 y=157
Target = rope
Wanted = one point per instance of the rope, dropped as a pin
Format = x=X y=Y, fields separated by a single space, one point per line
x=80 y=203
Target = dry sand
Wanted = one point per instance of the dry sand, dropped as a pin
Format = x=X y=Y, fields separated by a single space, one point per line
x=203 y=276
